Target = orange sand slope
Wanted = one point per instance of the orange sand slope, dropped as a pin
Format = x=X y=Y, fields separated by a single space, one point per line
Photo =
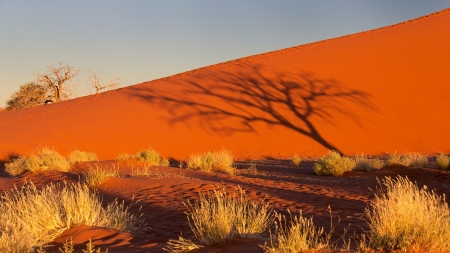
x=373 y=92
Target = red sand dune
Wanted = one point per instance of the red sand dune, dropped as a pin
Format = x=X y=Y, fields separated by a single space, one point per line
x=373 y=92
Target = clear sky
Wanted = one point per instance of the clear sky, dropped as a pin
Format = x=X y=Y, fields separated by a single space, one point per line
x=139 y=40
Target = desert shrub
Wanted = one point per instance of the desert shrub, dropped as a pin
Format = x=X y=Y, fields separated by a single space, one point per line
x=124 y=156
x=32 y=218
x=216 y=218
x=296 y=235
x=296 y=160
x=333 y=164
x=43 y=159
x=404 y=217
x=77 y=156
x=209 y=161
x=443 y=162
x=98 y=175
x=151 y=157
x=181 y=245
x=90 y=248
x=411 y=159
x=363 y=163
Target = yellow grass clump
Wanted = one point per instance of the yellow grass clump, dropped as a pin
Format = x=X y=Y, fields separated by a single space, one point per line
x=443 y=162
x=32 y=218
x=77 y=156
x=42 y=159
x=216 y=218
x=411 y=159
x=333 y=164
x=98 y=175
x=296 y=235
x=296 y=160
x=404 y=217
x=364 y=163
x=209 y=161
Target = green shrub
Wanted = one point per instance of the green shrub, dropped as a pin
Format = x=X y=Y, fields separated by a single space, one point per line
x=404 y=217
x=43 y=159
x=443 y=162
x=32 y=218
x=77 y=156
x=209 y=161
x=333 y=164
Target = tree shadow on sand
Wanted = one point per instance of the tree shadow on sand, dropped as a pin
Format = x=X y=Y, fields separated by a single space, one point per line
x=228 y=102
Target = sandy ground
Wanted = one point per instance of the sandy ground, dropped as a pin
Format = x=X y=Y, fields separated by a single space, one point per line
x=280 y=183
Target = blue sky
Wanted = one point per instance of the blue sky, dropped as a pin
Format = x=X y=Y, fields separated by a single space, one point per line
x=143 y=40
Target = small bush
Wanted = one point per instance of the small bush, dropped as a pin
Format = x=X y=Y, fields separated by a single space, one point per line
x=296 y=160
x=296 y=235
x=124 y=156
x=209 y=161
x=333 y=164
x=97 y=176
x=77 y=156
x=404 y=217
x=443 y=162
x=412 y=159
x=151 y=157
x=216 y=218
x=43 y=159
x=32 y=218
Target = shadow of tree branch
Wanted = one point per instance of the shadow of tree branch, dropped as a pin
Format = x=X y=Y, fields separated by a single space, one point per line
x=228 y=102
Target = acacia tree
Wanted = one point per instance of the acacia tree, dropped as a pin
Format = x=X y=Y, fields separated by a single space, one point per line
x=96 y=84
x=29 y=95
x=57 y=81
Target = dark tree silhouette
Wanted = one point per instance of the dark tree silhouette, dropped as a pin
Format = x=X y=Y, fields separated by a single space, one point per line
x=230 y=102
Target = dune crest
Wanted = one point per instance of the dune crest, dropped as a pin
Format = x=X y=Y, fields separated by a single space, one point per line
x=373 y=92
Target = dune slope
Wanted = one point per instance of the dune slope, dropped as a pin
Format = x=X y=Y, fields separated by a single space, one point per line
x=373 y=92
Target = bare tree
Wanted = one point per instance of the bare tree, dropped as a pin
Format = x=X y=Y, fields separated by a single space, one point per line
x=57 y=81
x=29 y=95
x=95 y=83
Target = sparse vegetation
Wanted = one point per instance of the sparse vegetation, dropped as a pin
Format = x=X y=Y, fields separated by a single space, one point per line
x=32 y=218
x=252 y=168
x=404 y=217
x=364 y=163
x=216 y=218
x=333 y=164
x=77 y=156
x=98 y=175
x=296 y=160
x=43 y=159
x=212 y=161
x=149 y=172
x=296 y=235
x=151 y=157
x=443 y=162
x=411 y=159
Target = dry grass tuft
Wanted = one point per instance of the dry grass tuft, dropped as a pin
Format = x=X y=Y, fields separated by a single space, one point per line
x=443 y=162
x=32 y=218
x=411 y=159
x=97 y=176
x=209 y=161
x=181 y=245
x=404 y=217
x=216 y=218
x=296 y=160
x=42 y=159
x=333 y=164
x=296 y=235
x=150 y=172
x=151 y=157
x=364 y=163
x=77 y=156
